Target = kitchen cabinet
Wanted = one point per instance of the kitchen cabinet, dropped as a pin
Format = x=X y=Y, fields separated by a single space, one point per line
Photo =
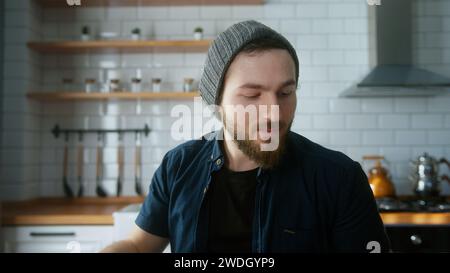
x=50 y=239
x=419 y=238
x=60 y=224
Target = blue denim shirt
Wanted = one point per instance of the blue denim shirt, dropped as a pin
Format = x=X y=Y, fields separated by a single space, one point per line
x=316 y=200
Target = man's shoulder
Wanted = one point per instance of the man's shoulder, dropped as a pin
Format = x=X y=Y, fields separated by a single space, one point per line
x=187 y=151
x=326 y=166
x=312 y=152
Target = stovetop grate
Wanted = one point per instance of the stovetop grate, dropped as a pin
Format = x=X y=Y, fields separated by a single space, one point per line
x=413 y=205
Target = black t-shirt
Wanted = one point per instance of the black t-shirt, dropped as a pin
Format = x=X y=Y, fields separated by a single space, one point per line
x=231 y=203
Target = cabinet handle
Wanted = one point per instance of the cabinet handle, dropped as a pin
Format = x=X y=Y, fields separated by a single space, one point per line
x=415 y=239
x=51 y=234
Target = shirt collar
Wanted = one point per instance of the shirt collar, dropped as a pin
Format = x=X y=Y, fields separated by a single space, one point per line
x=216 y=156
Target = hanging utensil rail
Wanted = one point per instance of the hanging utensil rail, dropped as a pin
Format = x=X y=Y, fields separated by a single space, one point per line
x=57 y=131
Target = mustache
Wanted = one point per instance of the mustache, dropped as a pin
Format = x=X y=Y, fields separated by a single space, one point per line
x=268 y=126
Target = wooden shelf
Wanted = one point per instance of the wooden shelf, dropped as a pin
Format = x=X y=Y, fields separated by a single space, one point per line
x=82 y=96
x=96 y=3
x=120 y=46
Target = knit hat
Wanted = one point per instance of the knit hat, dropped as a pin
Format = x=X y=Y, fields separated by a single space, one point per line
x=225 y=47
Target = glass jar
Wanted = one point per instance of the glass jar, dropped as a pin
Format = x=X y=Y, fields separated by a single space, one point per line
x=114 y=85
x=89 y=85
x=156 y=85
x=136 y=85
x=188 y=85
x=67 y=84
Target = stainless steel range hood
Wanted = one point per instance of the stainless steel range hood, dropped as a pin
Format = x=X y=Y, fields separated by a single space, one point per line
x=390 y=47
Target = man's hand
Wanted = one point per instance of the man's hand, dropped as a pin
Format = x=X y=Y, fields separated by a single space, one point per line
x=140 y=241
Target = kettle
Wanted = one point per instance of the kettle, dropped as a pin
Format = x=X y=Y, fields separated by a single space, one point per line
x=379 y=178
x=425 y=176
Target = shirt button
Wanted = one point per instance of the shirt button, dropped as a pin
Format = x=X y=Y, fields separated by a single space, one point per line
x=218 y=162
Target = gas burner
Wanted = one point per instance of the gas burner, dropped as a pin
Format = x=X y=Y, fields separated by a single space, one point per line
x=391 y=204
x=444 y=207
x=431 y=205
x=414 y=205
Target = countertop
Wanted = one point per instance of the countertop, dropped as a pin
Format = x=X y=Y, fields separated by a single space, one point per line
x=98 y=211
x=63 y=211
x=416 y=218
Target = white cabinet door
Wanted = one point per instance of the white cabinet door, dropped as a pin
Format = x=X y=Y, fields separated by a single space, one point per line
x=66 y=239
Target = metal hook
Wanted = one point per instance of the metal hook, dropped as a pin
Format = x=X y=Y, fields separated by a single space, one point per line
x=138 y=137
x=100 y=137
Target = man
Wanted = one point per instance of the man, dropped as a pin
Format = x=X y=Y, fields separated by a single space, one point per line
x=223 y=193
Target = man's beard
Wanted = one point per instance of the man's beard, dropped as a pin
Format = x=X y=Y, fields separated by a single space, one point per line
x=252 y=148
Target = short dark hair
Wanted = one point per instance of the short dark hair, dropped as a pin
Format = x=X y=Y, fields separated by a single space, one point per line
x=257 y=45
x=262 y=44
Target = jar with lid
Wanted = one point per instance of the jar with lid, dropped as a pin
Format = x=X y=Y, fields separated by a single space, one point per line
x=136 y=85
x=114 y=85
x=89 y=85
x=156 y=85
x=67 y=84
x=188 y=85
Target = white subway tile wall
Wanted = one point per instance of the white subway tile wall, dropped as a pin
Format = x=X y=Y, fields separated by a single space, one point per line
x=330 y=37
x=21 y=132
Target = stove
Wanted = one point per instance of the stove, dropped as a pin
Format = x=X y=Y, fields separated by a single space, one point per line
x=413 y=205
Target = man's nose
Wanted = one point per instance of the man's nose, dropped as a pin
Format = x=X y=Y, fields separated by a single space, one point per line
x=269 y=108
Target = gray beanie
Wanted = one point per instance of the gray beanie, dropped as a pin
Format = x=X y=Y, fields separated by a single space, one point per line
x=225 y=47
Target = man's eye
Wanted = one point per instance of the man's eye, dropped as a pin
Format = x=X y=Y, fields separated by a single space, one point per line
x=286 y=92
x=251 y=95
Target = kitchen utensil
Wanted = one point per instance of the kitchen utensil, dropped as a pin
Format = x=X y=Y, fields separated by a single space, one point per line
x=425 y=175
x=379 y=178
x=80 y=162
x=99 y=167
x=120 y=151
x=137 y=166
x=66 y=187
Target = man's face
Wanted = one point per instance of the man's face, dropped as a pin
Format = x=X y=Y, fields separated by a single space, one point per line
x=265 y=80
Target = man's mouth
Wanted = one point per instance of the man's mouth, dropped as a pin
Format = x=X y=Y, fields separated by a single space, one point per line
x=265 y=135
